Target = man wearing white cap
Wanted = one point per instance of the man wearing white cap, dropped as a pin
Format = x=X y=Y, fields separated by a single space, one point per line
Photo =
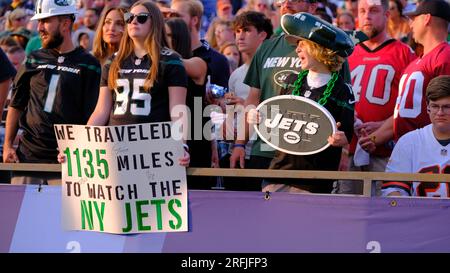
x=57 y=84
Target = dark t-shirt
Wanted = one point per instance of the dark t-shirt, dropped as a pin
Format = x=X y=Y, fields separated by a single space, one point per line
x=340 y=105
x=53 y=88
x=219 y=72
x=132 y=103
x=218 y=66
x=7 y=71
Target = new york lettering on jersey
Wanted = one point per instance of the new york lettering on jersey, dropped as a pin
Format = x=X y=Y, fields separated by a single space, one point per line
x=269 y=70
x=133 y=104
x=274 y=61
x=410 y=109
x=53 y=88
x=375 y=78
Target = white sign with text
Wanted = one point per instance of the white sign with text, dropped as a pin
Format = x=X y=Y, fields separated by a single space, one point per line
x=122 y=179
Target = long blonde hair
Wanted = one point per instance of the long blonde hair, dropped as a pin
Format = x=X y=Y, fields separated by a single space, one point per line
x=17 y=13
x=211 y=33
x=102 y=50
x=155 y=41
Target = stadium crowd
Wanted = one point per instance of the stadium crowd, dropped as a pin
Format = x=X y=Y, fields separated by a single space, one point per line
x=92 y=62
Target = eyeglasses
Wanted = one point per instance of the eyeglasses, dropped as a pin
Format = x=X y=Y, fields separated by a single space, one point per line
x=280 y=2
x=434 y=108
x=141 y=17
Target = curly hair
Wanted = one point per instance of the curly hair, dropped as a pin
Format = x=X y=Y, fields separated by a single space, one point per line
x=324 y=55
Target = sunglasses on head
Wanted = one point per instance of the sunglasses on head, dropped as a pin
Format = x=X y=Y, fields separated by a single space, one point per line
x=141 y=17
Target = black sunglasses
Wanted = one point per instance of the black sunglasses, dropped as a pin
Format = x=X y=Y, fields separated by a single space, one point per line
x=141 y=17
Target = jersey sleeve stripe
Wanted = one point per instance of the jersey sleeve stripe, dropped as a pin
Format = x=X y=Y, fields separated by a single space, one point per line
x=92 y=67
x=174 y=62
x=394 y=184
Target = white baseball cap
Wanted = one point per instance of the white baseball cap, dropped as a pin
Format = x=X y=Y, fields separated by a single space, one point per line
x=49 y=8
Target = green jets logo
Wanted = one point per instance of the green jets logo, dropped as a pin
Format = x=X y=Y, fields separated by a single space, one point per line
x=281 y=76
x=62 y=3
x=295 y=125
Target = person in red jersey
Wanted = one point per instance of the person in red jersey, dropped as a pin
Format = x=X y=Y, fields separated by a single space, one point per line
x=376 y=66
x=429 y=25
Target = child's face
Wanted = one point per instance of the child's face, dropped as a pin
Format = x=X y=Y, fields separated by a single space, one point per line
x=307 y=61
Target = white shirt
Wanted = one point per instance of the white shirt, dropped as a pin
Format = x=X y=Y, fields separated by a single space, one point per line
x=236 y=82
x=419 y=152
x=316 y=80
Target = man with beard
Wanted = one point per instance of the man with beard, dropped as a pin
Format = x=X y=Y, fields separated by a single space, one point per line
x=429 y=24
x=376 y=66
x=57 y=84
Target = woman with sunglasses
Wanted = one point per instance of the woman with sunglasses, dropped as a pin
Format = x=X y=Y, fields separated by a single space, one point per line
x=134 y=89
x=109 y=33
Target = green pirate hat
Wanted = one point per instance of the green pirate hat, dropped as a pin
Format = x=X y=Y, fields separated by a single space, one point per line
x=303 y=25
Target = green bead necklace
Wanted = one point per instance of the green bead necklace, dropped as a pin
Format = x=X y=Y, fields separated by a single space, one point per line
x=324 y=99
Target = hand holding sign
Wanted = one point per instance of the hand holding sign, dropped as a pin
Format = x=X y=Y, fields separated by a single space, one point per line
x=61 y=157
x=338 y=139
x=123 y=179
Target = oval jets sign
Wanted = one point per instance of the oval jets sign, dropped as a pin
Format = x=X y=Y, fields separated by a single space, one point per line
x=295 y=125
